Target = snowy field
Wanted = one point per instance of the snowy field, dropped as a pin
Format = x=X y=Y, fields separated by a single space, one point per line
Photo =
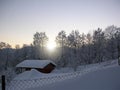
x=107 y=79
x=103 y=75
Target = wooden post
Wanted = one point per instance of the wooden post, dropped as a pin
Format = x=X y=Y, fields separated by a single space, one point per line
x=3 y=82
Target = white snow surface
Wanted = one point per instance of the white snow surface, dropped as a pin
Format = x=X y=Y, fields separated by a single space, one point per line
x=34 y=74
x=27 y=75
x=35 y=63
x=101 y=76
x=106 y=79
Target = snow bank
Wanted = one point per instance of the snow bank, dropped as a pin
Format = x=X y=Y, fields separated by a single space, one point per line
x=34 y=74
x=92 y=67
x=107 y=79
x=36 y=79
x=28 y=75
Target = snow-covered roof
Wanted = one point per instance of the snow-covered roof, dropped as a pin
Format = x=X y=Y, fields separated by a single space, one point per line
x=35 y=63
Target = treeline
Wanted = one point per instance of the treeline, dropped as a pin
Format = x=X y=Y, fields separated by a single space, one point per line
x=77 y=49
x=72 y=50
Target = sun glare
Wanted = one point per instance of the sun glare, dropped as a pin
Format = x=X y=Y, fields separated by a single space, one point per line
x=51 y=46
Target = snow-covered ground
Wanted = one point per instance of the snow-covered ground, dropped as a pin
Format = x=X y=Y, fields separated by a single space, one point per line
x=87 y=67
x=106 y=79
x=65 y=77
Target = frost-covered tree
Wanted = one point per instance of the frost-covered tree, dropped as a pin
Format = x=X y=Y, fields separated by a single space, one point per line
x=25 y=51
x=111 y=48
x=99 y=45
x=83 y=39
x=2 y=45
x=40 y=41
x=74 y=39
x=83 y=48
x=61 y=42
x=89 y=51
x=17 y=55
x=117 y=37
x=74 y=42
x=110 y=31
x=5 y=53
x=8 y=46
x=111 y=45
x=17 y=46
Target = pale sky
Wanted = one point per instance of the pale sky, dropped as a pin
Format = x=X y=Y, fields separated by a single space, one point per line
x=20 y=19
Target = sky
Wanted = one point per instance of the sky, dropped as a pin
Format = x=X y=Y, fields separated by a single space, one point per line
x=21 y=19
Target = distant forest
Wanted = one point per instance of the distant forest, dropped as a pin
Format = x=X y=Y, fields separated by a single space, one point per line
x=72 y=50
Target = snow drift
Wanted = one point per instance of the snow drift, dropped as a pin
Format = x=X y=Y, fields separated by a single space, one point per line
x=107 y=79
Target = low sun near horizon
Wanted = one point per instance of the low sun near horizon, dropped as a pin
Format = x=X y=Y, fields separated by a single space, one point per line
x=51 y=45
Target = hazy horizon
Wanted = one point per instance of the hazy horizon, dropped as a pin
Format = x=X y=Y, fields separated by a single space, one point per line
x=20 y=20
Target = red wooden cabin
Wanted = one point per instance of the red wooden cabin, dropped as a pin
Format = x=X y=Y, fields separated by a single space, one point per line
x=44 y=66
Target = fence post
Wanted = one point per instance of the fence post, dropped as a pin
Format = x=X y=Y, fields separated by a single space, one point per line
x=3 y=82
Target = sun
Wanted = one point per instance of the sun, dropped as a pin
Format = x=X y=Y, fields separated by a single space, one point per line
x=51 y=46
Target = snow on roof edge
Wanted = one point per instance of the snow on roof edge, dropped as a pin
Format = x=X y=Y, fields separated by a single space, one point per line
x=35 y=63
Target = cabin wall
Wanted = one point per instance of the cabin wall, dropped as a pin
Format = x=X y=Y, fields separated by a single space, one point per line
x=46 y=69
